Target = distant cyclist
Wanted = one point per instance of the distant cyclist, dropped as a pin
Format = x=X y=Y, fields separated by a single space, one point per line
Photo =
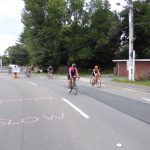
x=28 y=71
x=50 y=72
x=72 y=73
x=16 y=71
x=96 y=72
x=10 y=70
x=95 y=75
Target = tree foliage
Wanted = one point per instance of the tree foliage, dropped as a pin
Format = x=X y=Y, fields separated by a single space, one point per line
x=141 y=28
x=18 y=54
x=5 y=60
x=59 y=32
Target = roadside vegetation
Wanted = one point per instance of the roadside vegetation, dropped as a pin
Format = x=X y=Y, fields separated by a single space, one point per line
x=144 y=82
x=60 y=32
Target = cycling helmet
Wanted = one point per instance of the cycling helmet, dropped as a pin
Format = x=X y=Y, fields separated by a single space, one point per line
x=96 y=67
x=73 y=65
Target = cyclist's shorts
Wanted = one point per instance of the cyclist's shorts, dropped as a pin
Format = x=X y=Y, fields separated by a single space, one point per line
x=69 y=77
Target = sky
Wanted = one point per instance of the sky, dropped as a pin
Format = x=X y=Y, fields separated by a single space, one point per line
x=10 y=21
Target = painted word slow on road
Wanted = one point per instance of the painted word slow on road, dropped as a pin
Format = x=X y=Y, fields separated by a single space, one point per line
x=30 y=119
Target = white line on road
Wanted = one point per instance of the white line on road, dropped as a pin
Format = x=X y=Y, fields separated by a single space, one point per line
x=119 y=145
x=76 y=108
x=32 y=83
x=103 y=85
x=146 y=99
x=128 y=89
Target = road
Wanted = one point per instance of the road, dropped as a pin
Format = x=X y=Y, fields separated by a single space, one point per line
x=39 y=114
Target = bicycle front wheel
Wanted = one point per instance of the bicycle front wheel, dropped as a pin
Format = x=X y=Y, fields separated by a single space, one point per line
x=98 y=83
x=92 y=82
x=75 y=89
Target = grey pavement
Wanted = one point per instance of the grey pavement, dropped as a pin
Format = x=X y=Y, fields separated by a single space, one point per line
x=39 y=114
x=108 y=79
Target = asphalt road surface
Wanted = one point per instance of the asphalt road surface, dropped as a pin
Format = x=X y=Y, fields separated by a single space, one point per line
x=38 y=113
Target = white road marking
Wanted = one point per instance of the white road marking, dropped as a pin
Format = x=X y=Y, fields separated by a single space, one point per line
x=119 y=145
x=129 y=89
x=30 y=119
x=103 y=85
x=46 y=89
x=55 y=116
x=76 y=108
x=146 y=99
x=132 y=90
x=32 y=83
x=26 y=99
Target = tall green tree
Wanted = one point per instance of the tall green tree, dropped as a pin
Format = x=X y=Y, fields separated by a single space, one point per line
x=5 y=60
x=42 y=20
x=102 y=35
x=141 y=28
x=59 y=32
x=18 y=55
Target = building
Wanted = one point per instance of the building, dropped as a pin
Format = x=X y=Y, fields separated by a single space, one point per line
x=142 y=68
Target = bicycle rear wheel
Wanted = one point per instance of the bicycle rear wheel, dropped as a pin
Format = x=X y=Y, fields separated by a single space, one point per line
x=74 y=89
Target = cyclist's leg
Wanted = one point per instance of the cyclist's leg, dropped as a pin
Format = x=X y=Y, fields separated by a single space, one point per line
x=69 y=83
x=74 y=88
x=99 y=82
x=51 y=75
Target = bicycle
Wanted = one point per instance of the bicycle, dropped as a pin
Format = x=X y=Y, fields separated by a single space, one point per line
x=28 y=74
x=74 y=87
x=95 y=81
x=15 y=75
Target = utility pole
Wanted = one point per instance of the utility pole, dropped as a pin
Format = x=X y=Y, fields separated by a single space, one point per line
x=131 y=67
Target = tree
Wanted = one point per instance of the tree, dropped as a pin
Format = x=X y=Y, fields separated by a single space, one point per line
x=18 y=54
x=59 y=32
x=42 y=20
x=141 y=28
x=102 y=36
x=5 y=60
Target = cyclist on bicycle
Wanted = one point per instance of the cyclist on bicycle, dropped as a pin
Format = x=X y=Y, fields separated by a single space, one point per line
x=96 y=74
x=28 y=71
x=72 y=73
x=16 y=71
x=50 y=71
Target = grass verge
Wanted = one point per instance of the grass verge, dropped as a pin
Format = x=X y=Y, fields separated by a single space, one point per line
x=145 y=83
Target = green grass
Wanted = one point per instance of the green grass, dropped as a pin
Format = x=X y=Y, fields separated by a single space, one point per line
x=145 y=83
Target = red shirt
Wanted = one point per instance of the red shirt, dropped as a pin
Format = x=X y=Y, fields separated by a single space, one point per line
x=73 y=71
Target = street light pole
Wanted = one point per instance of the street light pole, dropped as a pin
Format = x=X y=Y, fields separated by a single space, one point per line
x=131 y=63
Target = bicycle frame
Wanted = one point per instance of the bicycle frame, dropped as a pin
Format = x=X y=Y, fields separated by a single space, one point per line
x=96 y=81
